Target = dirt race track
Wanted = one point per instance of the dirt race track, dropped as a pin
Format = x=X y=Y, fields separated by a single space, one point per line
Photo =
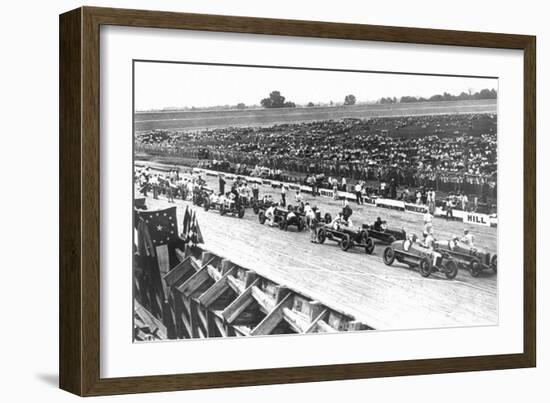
x=194 y=120
x=384 y=297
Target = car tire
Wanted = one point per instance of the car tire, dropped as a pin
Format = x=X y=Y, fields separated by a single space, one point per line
x=222 y=210
x=321 y=236
x=206 y=205
x=451 y=270
x=261 y=217
x=475 y=268
x=345 y=243
x=328 y=218
x=388 y=256
x=282 y=225
x=425 y=267
x=256 y=209
x=369 y=245
x=240 y=214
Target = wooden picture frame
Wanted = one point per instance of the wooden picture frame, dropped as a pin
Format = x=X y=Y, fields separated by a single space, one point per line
x=79 y=346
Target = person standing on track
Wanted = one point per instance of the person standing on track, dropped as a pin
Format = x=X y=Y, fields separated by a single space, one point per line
x=283 y=195
x=358 y=195
x=221 y=182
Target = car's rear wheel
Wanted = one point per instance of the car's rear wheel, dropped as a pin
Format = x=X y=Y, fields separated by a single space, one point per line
x=451 y=270
x=222 y=210
x=282 y=224
x=391 y=239
x=475 y=268
x=328 y=218
x=261 y=217
x=345 y=243
x=255 y=208
x=389 y=256
x=425 y=267
x=241 y=213
x=206 y=205
x=321 y=236
x=369 y=245
x=301 y=225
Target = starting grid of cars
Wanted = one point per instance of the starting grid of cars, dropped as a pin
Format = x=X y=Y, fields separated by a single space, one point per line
x=443 y=256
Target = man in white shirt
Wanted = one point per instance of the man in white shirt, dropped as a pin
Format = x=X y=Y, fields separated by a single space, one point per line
x=270 y=216
x=468 y=238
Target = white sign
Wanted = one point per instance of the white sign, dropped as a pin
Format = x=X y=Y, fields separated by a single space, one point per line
x=475 y=218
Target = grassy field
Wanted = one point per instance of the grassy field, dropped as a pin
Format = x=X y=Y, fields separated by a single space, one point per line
x=192 y=120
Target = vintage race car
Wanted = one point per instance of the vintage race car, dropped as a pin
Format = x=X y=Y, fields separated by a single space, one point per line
x=224 y=207
x=282 y=219
x=346 y=237
x=415 y=255
x=258 y=205
x=201 y=194
x=471 y=258
x=384 y=235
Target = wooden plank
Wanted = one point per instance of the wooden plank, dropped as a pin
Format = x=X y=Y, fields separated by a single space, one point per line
x=176 y=274
x=314 y=322
x=155 y=325
x=214 y=292
x=235 y=285
x=163 y=260
x=273 y=318
x=239 y=304
x=298 y=322
x=265 y=301
x=220 y=326
x=214 y=273
x=194 y=282
x=325 y=327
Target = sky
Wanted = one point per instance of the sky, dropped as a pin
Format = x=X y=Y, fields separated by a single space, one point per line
x=162 y=85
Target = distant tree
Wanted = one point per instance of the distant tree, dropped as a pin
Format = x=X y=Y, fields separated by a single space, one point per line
x=310 y=104
x=350 y=99
x=276 y=100
x=241 y=105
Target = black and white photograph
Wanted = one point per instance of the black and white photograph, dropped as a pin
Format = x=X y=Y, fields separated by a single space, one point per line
x=279 y=200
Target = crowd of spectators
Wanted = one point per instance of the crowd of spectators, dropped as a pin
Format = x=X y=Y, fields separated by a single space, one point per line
x=449 y=153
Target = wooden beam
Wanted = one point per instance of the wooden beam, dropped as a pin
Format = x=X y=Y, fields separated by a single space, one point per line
x=226 y=265
x=174 y=276
x=194 y=282
x=325 y=327
x=272 y=319
x=237 y=286
x=214 y=273
x=314 y=322
x=214 y=292
x=298 y=322
x=239 y=304
x=155 y=325
x=220 y=326
x=265 y=301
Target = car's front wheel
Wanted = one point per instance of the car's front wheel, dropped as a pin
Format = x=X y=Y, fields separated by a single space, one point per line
x=261 y=217
x=451 y=270
x=345 y=243
x=321 y=236
x=389 y=256
x=369 y=245
x=475 y=268
x=425 y=267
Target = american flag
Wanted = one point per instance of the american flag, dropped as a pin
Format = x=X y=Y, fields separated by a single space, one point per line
x=162 y=225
